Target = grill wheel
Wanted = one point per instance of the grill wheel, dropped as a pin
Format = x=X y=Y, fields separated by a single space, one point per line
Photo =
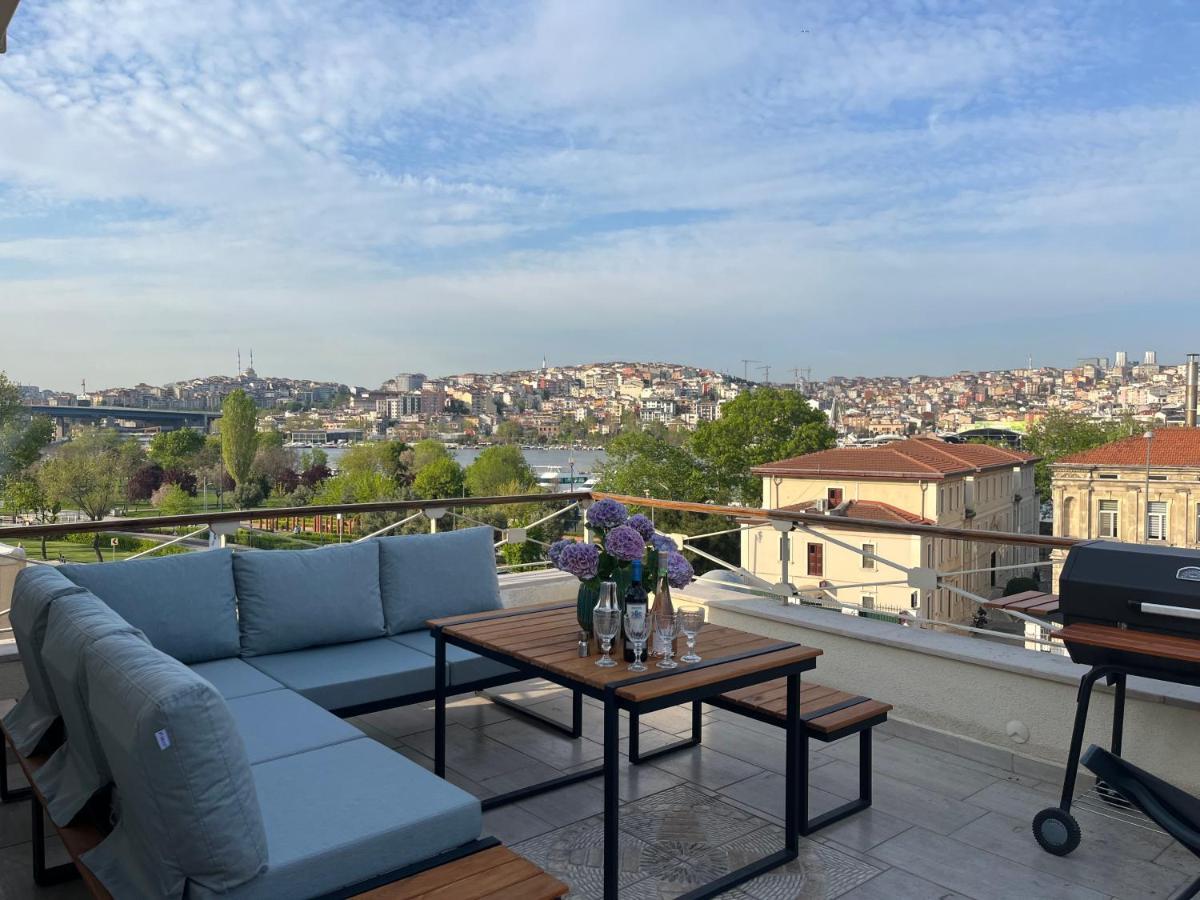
x=1056 y=831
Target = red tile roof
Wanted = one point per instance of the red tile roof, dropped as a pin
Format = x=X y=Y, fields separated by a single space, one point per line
x=1172 y=447
x=921 y=457
x=875 y=510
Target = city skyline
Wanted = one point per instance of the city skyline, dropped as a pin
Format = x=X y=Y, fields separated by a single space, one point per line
x=784 y=375
x=843 y=187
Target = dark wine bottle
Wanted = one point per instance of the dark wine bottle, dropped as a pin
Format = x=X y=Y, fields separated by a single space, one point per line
x=636 y=602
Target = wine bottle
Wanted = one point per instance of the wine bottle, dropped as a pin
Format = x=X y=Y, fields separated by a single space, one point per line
x=663 y=606
x=636 y=602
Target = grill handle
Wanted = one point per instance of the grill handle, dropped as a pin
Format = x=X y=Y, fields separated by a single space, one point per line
x=1162 y=609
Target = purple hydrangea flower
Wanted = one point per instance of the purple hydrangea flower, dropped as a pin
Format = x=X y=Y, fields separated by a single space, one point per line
x=581 y=560
x=679 y=570
x=663 y=544
x=556 y=550
x=607 y=514
x=642 y=526
x=624 y=543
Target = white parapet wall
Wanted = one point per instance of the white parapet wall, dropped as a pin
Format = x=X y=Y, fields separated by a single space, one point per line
x=996 y=702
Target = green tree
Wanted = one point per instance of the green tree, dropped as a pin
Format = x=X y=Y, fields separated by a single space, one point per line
x=22 y=436
x=239 y=436
x=390 y=459
x=1061 y=433
x=443 y=477
x=426 y=451
x=90 y=473
x=509 y=431
x=172 y=500
x=24 y=495
x=270 y=439
x=176 y=449
x=502 y=466
x=756 y=427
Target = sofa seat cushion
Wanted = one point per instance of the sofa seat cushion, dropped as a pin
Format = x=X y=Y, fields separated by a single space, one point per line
x=345 y=675
x=184 y=603
x=35 y=588
x=185 y=802
x=234 y=678
x=343 y=814
x=78 y=769
x=464 y=665
x=282 y=723
x=425 y=576
x=292 y=599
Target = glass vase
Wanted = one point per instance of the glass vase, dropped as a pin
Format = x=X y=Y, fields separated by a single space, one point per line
x=585 y=602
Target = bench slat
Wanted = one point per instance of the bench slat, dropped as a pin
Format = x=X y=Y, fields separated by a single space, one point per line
x=771 y=699
x=493 y=874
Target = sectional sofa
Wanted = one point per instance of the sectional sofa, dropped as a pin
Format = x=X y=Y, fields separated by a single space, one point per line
x=200 y=698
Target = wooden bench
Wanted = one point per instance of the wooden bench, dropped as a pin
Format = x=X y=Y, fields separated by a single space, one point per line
x=1032 y=603
x=492 y=873
x=827 y=715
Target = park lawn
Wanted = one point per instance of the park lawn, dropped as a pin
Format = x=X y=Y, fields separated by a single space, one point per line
x=72 y=552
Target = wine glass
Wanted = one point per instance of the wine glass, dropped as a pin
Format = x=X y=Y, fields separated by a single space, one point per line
x=691 y=620
x=637 y=630
x=606 y=622
x=666 y=629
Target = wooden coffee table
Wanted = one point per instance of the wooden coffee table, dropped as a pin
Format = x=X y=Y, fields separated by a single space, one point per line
x=540 y=641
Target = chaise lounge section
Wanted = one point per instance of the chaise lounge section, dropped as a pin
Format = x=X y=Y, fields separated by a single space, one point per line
x=197 y=699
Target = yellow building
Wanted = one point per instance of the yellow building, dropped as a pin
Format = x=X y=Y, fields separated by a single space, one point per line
x=1137 y=489
x=918 y=481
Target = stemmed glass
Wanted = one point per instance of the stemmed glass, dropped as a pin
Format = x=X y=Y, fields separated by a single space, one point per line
x=637 y=630
x=606 y=622
x=691 y=620
x=666 y=627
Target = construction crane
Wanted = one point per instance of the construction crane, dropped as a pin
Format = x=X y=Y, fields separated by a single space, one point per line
x=746 y=368
x=801 y=374
x=766 y=370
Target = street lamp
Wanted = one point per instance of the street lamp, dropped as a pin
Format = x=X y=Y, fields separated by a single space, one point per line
x=571 y=464
x=1149 y=436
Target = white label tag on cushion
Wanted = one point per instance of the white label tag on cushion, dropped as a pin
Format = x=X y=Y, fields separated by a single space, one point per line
x=164 y=739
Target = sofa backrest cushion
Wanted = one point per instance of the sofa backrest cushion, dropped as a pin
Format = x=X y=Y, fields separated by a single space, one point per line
x=424 y=576
x=187 y=809
x=185 y=603
x=78 y=768
x=292 y=599
x=35 y=589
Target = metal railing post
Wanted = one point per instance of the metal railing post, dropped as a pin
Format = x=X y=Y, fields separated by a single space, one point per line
x=434 y=513
x=784 y=588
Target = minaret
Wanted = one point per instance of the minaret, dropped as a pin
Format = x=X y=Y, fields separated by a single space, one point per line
x=239 y=368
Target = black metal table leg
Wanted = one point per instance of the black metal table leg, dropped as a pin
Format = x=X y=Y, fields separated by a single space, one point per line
x=7 y=794
x=439 y=704
x=796 y=786
x=635 y=754
x=574 y=730
x=44 y=875
x=612 y=794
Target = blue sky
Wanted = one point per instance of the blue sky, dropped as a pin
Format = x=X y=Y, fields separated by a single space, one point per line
x=360 y=188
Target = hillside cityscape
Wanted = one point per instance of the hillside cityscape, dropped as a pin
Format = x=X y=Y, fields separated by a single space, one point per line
x=590 y=402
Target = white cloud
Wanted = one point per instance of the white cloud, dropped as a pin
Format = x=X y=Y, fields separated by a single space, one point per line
x=288 y=163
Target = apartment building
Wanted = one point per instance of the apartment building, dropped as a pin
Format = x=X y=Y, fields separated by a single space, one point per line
x=920 y=481
x=1138 y=489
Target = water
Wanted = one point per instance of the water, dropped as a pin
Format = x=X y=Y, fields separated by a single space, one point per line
x=585 y=460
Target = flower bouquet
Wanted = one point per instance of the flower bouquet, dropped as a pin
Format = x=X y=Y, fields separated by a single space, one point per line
x=619 y=539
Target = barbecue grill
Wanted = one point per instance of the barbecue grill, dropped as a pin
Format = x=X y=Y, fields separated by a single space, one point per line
x=1127 y=609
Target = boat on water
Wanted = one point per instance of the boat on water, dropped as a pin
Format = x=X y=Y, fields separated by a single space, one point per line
x=556 y=478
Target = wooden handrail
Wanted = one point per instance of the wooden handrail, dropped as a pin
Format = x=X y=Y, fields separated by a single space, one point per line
x=237 y=515
x=844 y=523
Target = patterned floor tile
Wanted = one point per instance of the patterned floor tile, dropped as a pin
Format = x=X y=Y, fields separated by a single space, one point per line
x=687 y=816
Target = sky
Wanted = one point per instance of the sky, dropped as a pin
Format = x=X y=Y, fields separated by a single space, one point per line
x=355 y=189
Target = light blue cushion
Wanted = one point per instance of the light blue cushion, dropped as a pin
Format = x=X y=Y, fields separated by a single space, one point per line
x=426 y=576
x=291 y=599
x=187 y=811
x=339 y=816
x=346 y=675
x=464 y=665
x=184 y=603
x=35 y=588
x=78 y=769
x=234 y=677
x=281 y=723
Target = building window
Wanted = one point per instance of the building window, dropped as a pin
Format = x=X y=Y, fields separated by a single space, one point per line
x=868 y=601
x=834 y=497
x=816 y=559
x=1108 y=518
x=867 y=562
x=1107 y=476
x=914 y=600
x=1157 y=520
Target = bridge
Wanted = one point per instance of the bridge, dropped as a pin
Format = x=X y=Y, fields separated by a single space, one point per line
x=179 y=418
